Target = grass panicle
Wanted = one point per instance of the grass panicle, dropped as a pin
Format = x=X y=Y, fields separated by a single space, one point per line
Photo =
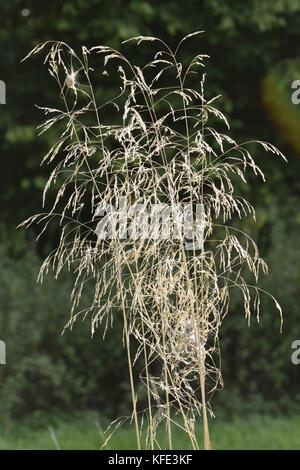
x=155 y=143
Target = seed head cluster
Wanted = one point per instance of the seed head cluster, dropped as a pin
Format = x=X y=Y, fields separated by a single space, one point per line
x=155 y=142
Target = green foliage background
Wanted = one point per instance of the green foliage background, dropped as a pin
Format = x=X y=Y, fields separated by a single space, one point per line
x=46 y=371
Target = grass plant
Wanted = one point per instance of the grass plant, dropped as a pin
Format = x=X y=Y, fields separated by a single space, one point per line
x=156 y=148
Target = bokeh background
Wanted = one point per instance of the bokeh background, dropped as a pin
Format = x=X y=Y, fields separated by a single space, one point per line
x=73 y=381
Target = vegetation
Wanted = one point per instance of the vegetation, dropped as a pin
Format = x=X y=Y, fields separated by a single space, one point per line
x=171 y=273
x=253 y=38
x=82 y=432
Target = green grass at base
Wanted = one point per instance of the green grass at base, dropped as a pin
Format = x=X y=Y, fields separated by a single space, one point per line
x=252 y=432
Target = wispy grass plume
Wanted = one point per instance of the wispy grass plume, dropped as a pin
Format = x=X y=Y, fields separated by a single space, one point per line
x=154 y=147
